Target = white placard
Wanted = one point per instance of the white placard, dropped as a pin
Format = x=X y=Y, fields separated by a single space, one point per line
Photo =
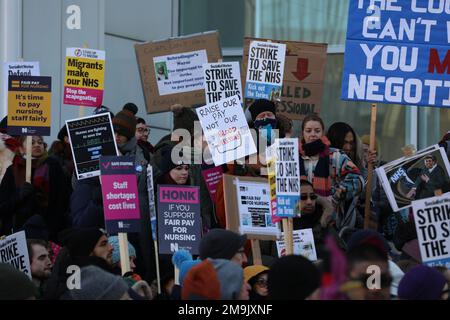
x=14 y=251
x=222 y=80
x=303 y=244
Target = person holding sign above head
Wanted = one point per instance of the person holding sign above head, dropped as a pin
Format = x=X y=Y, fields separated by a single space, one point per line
x=47 y=194
x=331 y=171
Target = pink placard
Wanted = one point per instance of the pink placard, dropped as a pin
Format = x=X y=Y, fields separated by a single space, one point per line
x=120 y=197
x=83 y=97
x=212 y=177
x=178 y=194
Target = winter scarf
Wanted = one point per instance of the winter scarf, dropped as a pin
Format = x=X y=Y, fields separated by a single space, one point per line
x=128 y=147
x=322 y=180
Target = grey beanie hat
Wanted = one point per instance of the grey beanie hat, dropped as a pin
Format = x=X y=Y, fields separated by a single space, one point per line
x=97 y=284
x=231 y=278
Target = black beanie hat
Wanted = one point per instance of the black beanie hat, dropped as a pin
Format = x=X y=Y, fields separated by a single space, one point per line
x=14 y=284
x=261 y=105
x=81 y=242
x=221 y=244
x=163 y=156
x=292 y=278
x=125 y=121
x=62 y=133
x=183 y=118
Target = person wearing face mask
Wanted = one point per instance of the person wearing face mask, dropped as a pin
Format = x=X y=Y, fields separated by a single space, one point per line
x=332 y=172
x=46 y=195
x=264 y=119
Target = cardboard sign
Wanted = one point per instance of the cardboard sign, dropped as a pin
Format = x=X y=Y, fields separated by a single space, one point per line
x=424 y=175
x=84 y=77
x=91 y=137
x=265 y=70
x=177 y=73
x=212 y=175
x=29 y=105
x=303 y=80
x=120 y=194
x=432 y=220
x=226 y=130
x=222 y=80
x=254 y=208
x=303 y=244
x=14 y=251
x=179 y=218
x=397 y=52
x=176 y=47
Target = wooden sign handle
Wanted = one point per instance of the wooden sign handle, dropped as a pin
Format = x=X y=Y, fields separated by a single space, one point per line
x=256 y=252
x=28 y=147
x=124 y=254
x=373 y=123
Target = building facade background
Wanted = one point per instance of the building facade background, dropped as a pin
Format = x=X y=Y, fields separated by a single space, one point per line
x=39 y=31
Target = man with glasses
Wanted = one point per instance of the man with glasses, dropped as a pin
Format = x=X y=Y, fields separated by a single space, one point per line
x=142 y=134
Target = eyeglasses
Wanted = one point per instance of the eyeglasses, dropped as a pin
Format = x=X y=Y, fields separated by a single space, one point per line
x=261 y=282
x=312 y=196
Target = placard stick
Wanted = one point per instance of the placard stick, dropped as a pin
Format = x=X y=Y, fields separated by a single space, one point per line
x=290 y=236
x=373 y=123
x=157 y=266
x=124 y=254
x=256 y=252
x=29 y=143
x=287 y=238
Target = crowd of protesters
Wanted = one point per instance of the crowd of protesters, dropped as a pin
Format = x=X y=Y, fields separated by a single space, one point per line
x=64 y=222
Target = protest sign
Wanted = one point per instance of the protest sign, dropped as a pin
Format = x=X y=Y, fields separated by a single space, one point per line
x=303 y=244
x=212 y=176
x=151 y=200
x=182 y=72
x=303 y=79
x=271 y=158
x=91 y=137
x=226 y=130
x=120 y=194
x=222 y=80
x=232 y=206
x=432 y=221
x=287 y=173
x=179 y=218
x=254 y=208
x=397 y=52
x=172 y=70
x=19 y=68
x=265 y=70
x=29 y=105
x=423 y=175
x=14 y=251
x=84 y=77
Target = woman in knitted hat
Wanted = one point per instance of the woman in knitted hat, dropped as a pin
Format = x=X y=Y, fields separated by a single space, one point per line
x=47 y=194
x=256 y=276
x=124 y=123
x=173 y=166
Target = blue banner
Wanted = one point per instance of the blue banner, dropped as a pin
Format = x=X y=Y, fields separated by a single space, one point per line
x=397 y=52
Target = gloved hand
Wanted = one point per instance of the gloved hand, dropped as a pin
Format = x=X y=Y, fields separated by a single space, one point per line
x=26 y=191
